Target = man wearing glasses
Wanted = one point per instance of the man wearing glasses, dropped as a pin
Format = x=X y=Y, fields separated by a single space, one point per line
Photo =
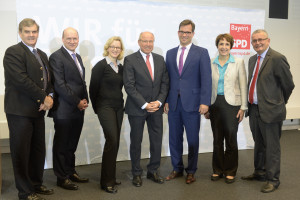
x=270 y=85
x=189 y=97
x=146 y=82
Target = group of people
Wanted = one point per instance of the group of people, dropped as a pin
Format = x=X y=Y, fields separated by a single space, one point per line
x=185 y=85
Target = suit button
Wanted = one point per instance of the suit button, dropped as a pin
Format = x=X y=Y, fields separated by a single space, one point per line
x=41 y=68
x=38 y=101
x=42 y=79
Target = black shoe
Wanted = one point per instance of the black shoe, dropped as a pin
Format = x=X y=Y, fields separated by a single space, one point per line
x=254 y=177
x=215 y=178
x=137 y=181
x=76 y=178
x=33 y=197
x=155 y=177
x=110 y=189
x=268 y=187
x=67 y=184
x=43 y=190
x=229 y=180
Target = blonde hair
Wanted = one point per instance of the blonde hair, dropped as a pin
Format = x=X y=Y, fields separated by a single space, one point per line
x=108 y=43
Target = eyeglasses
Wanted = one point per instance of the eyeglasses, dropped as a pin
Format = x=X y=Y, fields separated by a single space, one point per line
x=113 y=48
x=147 y=41
x=185 y=32
x=259 y=40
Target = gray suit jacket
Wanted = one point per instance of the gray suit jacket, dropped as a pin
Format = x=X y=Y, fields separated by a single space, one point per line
x=274 y=86
x=139 y=86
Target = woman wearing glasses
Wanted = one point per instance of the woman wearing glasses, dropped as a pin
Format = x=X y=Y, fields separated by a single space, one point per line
x=107 y=101
x=228 y=103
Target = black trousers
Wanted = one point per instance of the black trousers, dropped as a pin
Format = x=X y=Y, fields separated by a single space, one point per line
x=155 y=131
x=267 y=145
x=224 y=125
x=27 y=146
x=111 y=121
x=67 y=134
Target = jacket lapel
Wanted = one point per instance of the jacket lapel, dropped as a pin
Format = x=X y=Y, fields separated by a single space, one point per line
x=70 y=59
x=188 y=59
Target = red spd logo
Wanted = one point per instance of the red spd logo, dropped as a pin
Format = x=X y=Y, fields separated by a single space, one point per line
x=241 y=34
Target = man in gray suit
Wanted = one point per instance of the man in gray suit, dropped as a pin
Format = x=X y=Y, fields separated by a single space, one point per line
x=146 y=82
x=270 y=84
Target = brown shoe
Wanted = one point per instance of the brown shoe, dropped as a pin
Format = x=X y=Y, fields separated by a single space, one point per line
x=190 y=178
x=173 y=175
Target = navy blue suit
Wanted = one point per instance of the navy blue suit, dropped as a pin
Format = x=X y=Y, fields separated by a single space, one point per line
x=187 y=92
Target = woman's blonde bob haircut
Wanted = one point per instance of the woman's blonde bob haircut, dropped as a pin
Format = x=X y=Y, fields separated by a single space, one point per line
x=108 y=43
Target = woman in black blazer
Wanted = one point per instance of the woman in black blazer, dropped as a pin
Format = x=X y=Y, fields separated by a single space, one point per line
x=107 y=101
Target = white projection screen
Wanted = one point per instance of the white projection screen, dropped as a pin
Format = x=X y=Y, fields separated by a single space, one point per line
x=96 y=21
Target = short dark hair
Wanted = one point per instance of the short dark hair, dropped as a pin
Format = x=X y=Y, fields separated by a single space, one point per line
x=28 y=23
x=227 y=37
x=187 y=22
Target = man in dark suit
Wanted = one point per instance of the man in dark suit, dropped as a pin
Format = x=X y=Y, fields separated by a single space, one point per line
x=27 y=89
x=146 y=82
x=270 y=84
x=189 y=96
x=71 y=99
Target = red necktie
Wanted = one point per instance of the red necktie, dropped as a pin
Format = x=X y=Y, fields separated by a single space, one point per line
x=149 y=66
x=252 y=86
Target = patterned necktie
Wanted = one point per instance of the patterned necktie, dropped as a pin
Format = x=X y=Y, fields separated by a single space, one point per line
x=149 y=66
x=79 y=68
x=45 y=73
x=252 y=86
x=181 y=60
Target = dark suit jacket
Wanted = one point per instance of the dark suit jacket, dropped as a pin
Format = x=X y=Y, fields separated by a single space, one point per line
x=194 y=83
x=274 y=86
x=24 y=81
x=69 y=86
x=139 y=86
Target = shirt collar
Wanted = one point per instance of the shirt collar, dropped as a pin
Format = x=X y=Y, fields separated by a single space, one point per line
x=70 y=52
x=186 y=47
x=230 y=60
x=110 y=62
x=144 y=55
x=29 y=47
x=263 y=55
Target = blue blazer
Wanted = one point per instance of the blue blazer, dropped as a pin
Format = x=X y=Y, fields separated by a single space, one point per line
x=194 y=83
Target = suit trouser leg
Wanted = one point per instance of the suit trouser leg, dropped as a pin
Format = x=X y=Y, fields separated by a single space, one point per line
x=259 y=147
x=176 y=138
x=155 y=131
x=27 y=145
x=191 y=122
x=270 y=134
x=67 y=134
x=111 y=122
x=136 y=136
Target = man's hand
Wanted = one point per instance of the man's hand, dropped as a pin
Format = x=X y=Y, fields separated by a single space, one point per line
x=83 y=104
x=153 y=106
x=203 y=109
x=166 y=108
x=47 y=105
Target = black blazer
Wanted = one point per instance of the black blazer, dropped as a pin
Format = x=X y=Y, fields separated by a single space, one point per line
x=69 y=86
x=139 y=85
x=274 y=86
x=24 y=81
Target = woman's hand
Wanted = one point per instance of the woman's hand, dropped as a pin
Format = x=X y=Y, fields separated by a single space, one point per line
x=240 y=115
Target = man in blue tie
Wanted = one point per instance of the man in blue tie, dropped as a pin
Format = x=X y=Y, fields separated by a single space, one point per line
x=189 y=97
x=70 y=102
